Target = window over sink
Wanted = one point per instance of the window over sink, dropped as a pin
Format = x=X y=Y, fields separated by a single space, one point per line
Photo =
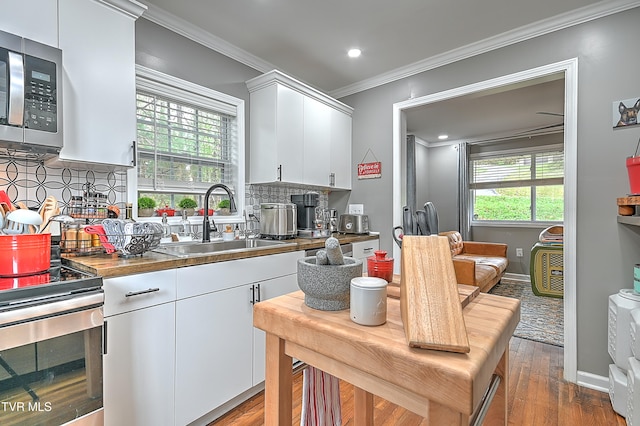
x=188 y=138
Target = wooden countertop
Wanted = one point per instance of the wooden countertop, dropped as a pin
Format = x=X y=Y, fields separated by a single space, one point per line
x=111 y=265
x=379 y=359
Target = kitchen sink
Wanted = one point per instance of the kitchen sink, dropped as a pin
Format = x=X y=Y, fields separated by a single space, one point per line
x=198 y=248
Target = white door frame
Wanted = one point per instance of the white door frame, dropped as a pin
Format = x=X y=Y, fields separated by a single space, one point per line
x=570 y=70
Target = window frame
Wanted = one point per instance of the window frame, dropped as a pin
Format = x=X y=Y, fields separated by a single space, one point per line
x=551 y=148
x=152 y=81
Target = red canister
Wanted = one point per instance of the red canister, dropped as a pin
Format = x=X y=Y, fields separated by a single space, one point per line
x=380 y=266
x=24 y=254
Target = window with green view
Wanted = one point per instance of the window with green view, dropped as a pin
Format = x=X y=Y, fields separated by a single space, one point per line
x=518 y=187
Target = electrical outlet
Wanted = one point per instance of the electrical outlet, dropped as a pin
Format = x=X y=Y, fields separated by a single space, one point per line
x=356 y=208
x=519 y=252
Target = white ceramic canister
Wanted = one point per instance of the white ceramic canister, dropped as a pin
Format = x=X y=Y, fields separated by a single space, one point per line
x=368 y=300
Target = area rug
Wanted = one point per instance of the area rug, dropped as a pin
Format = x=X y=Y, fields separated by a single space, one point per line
x=541 y=318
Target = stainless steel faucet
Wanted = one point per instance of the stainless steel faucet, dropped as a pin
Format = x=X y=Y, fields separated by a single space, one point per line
x=206 y=226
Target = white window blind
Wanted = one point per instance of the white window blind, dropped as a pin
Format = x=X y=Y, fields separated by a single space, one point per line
x=183 y=147
x=507 y=171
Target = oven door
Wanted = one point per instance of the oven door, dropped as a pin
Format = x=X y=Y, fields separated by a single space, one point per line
x=51 y=363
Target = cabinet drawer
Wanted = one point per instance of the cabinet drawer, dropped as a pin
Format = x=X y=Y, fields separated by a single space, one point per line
x=202 y=279
x=127 y=293
x=364 y=249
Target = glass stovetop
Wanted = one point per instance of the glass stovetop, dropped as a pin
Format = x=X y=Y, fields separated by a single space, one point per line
x=61 y=281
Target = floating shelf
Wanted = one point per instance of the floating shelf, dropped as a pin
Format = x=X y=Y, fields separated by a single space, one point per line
x=629 y=220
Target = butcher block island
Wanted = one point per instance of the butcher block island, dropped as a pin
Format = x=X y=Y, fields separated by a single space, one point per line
x=444 y=387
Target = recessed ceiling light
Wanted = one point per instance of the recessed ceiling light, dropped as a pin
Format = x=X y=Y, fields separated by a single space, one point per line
x=354 y=53
x=443 y=137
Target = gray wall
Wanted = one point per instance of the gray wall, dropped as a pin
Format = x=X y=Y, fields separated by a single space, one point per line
x=607 y=71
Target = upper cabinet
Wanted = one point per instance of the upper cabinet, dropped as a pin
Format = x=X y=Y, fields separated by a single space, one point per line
x=32 y=19
x=97 y=40
x=298 y=134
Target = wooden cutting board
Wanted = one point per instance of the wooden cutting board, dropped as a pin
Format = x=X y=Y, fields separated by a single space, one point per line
x=429 y=301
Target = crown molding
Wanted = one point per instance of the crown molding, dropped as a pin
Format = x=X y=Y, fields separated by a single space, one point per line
x=197 y=34
x=527 y=32
x=275 y=76
x=129 y=7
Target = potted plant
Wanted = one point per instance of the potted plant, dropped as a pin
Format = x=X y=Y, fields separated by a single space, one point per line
x=189 y=205
x=223 y=207
x=146 y=206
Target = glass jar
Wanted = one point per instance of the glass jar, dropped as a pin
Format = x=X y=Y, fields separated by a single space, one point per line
x=70 y=237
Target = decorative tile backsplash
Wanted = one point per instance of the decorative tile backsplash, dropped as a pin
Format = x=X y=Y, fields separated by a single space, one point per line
x=31 y=181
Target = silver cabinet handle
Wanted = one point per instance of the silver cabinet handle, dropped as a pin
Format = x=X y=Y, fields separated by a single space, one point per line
x=279 y=177
x=138 y=293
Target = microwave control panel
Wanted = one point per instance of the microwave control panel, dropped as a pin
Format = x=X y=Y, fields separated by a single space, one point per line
x=40 y=95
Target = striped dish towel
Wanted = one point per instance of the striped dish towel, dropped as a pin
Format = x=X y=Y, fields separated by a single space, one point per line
x=320 y=399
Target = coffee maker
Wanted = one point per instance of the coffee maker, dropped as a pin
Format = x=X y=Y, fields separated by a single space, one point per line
x=310 y=223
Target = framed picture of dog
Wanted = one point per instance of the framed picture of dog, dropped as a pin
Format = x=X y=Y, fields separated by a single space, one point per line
x=625 y=112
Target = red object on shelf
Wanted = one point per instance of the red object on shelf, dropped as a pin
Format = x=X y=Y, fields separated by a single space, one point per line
x=380 y=266
x=633 y=170
x=210 y=213
x=24 y=254
x=169 y=211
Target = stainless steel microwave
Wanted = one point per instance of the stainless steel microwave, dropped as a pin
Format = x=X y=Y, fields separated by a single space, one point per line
x=30 y=95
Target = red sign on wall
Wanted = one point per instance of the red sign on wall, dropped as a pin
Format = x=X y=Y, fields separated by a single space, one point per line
x=370 y=170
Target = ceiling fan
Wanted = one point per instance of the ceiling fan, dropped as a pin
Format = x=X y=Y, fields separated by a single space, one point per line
x=552 y=126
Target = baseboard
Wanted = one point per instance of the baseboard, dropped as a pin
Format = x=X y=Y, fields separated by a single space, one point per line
x=517 y=277
x=593 y=381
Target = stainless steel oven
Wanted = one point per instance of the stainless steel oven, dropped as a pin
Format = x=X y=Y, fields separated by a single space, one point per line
x=51 y=340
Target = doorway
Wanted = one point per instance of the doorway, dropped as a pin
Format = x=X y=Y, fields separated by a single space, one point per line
x=569 y=69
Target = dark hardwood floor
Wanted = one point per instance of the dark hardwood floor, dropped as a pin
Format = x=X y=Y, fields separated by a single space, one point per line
x=538 y=396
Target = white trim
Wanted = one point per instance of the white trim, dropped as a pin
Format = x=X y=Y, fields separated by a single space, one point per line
x=570 y=70
x=593 y=381
x=197 y=34
x=168 y=84
x=275 y=76
x=131 y=8
x=527 y=32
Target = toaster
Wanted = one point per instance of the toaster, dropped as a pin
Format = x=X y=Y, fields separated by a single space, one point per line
x=353 y=224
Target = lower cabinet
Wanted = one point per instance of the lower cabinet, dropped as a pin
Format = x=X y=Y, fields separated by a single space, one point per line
x=219 y=354
x=268 y=290
x=214 y=353
x=139 y=359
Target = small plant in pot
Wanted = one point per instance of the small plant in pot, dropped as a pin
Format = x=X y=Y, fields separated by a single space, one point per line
x=146 y=206
x=189 y=205
x=223 y=207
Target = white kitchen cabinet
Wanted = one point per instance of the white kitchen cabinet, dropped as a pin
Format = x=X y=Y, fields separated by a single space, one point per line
x=317 y=145
x=99 y=96
x=276 y=135
x=214 y=326
x=214 y=351
x=294 y=129
x=268 y=290
x=139 y=359
x=32 y=19
x=341 y=167
x=363 y=249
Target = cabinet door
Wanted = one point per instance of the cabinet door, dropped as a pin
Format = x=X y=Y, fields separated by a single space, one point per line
x=317 y=143
x=139 y=367
x=276 y=135
x=32 y=19
x=268 y=290
x=99 y=96
x=341 y=166
x=213 y=351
